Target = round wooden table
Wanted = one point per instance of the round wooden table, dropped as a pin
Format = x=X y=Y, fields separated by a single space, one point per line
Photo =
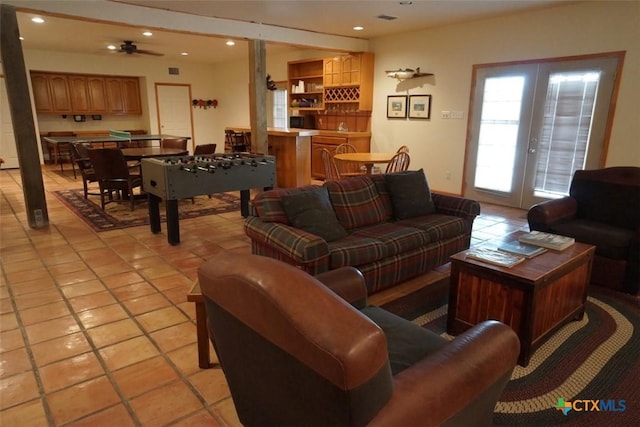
x=144 y=152
x=368 y=159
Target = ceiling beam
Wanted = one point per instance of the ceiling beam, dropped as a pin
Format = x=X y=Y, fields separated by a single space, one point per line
x=137 y=16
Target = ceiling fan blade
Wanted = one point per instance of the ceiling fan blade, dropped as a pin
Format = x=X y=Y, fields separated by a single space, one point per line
x=149 y=52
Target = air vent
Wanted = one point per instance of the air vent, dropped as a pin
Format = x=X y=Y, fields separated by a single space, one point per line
x=174 y=71
x=387 y=17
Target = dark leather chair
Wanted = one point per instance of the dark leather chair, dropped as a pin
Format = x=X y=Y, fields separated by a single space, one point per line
x=296 y=353
x=179 y=143
x=80 y=154
x=602 y=209
x=204 y=149
x=114 y=175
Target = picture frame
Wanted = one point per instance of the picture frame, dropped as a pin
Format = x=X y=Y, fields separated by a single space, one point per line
x=420 y=106
x=397 y=106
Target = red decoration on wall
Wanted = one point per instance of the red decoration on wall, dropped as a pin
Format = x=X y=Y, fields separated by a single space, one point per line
x=204 y=103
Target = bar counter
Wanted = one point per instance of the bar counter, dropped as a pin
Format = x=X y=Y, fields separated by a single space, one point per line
x=292 y=149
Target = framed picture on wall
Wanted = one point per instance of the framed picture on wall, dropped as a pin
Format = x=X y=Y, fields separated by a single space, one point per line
x=397 y=106
x=420 y=106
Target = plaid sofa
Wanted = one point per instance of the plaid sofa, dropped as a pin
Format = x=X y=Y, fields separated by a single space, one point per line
x=386 y=251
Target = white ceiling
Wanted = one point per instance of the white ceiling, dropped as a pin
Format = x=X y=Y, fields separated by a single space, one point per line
x=92 y=35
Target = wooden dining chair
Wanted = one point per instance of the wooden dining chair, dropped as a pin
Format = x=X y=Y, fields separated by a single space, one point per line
x=347 y=168
x=331 y=172
x=399 y=162
x=204 y=149
x=179 y=143
x=403 y=148
x=114 y=175
x=80 y=155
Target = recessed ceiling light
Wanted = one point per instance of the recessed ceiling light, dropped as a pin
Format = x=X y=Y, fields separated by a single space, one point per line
x=358 y=28
x=112 y=47
x=37 y=20
x=184 y=53
x=147 y=33
x=230 y=43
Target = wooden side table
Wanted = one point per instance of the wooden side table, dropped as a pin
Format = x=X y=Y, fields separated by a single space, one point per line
x=535 y=297
x=202 y=331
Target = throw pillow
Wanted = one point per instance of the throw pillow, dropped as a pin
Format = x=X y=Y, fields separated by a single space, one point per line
x=410 y=195
x=311 y=211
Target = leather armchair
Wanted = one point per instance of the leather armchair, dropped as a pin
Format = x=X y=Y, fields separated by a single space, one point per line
x=602 y=209
x=295 y=352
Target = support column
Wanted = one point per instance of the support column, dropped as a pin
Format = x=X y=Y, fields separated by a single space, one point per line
x=258 y=96
x=15 y=77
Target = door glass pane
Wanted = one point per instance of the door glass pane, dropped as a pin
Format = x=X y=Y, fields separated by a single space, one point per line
x=566 y=128
x=498 y=136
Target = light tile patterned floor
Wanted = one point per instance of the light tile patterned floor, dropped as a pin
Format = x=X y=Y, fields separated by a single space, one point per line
x=95 y=328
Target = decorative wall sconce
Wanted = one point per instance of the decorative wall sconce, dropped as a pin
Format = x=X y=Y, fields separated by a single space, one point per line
x=407 y=73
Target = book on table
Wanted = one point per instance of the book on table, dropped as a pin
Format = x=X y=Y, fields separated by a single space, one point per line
x=519 y=248
x=495 y=257
x=547 y=240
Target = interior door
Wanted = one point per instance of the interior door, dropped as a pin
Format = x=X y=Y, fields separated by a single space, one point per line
x=8 y=149
x=533 y=125
x=175 y=110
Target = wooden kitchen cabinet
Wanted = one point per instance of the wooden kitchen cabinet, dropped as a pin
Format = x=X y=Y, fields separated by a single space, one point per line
x=348 y=82
x=60 y=93
x=330 y=140
x=343 y=70
x=97 y=94
x=123 y=95
x=51 y=93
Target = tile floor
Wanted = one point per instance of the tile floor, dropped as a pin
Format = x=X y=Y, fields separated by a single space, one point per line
x=95 y=328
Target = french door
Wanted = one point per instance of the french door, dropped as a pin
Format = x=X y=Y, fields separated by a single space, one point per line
x=533 y=125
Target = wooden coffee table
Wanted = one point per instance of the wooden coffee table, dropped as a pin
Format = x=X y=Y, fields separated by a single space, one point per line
x=535 y=297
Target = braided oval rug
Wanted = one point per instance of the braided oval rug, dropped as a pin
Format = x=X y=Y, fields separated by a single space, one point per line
x=595 y=359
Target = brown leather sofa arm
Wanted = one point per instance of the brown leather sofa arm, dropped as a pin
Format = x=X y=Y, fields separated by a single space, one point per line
x=458 y=385
x=348 y=283
x=543 y=215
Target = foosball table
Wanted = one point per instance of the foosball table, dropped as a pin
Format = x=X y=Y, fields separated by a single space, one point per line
x=174 y=178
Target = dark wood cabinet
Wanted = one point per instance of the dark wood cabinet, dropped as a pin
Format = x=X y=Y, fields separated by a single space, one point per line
x=85 y=94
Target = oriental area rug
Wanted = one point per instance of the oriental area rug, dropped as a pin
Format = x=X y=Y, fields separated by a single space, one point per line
x=586 y=374
x=118 y=215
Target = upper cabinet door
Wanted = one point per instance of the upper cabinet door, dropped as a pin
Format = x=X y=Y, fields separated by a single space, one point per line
x=332 y=71
x=350 y=70
x=51 y=93
x=60 y=93
x=115 y=102
x=123 y=95
x=79 y=94
x=41 y=93
x=97 y=94
x=131 y=95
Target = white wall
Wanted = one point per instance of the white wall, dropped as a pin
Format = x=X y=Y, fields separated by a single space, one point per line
x=438 y=145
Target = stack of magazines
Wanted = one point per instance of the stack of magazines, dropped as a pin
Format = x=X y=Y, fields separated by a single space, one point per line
x=547 y=240
x=494 y=257
x=524 y=249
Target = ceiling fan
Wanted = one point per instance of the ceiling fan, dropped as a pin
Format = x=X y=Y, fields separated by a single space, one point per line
x=129 y=48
